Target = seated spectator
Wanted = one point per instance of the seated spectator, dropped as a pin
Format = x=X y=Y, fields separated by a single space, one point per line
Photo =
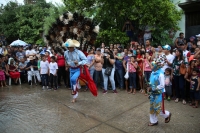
x=32 y=68
x=12 y=69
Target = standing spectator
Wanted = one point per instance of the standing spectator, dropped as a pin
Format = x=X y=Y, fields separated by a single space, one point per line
x=111 y=47
x=3 y=39
x=169 y=57
x=90 y=65
x=53 y=69
x=102 y=48
x=147 y=66
x=179 y=78
x=30 y=52
x=194 y=88
x=98 y=61
x=20 y=54
x=4 y=50
x=22 y=66
x=119 y=68
x=126 y=60
x=180 y=40
x=60 y=59
x=47 y=54
x=108 y=63
x=140 y=59
x=44 y=71
x=190 y=43
x=168 y=83
x=132 y=66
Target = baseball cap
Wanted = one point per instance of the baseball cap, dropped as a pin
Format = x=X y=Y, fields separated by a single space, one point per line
x=167 y=47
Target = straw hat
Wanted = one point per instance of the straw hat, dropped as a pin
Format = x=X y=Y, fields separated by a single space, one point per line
x=71 y=43
x=31 y=58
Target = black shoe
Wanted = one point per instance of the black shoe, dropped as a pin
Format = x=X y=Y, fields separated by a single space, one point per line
x=29 y=82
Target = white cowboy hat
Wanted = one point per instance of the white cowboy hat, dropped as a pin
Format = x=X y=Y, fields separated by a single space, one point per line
x=31 y=58
x=198 y=35
x=71 y=43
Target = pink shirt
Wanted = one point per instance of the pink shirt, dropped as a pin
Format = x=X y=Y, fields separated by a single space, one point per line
x=147 y=67
x=131 y=68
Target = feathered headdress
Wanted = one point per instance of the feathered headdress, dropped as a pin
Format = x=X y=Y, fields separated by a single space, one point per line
x=73 y=26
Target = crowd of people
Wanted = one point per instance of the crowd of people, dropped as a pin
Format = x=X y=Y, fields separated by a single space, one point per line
x=111 y=67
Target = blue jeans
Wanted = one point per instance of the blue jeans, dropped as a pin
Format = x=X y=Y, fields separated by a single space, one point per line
x=97 y=75
x=91 y=70
x=179 y=84
x=74 y=74
x=147 y=75
x=45 y=79
x=111 y=77
x=132 y=80
x=120 y=77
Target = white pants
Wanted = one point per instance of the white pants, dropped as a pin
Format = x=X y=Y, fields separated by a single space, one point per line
x=154 y=118
x=74 y=88
x=36 y=73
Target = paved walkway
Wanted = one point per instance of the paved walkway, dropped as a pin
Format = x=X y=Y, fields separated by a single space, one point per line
x=25 y=109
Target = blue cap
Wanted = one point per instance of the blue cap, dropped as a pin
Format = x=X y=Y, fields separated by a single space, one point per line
x=167 y=47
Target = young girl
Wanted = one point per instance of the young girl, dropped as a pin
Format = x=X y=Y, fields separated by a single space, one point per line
x=168 y=87
x=2 y=77
x=53 y=69
x=132 y=66
x=194 y=88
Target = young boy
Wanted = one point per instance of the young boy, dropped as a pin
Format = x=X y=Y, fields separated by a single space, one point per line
x=44 y=71
x=53 y=69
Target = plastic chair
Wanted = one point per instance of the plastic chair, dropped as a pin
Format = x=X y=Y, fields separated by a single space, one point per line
x=10 y=80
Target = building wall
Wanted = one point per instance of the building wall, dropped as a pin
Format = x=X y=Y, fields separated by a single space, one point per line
x=181 y=23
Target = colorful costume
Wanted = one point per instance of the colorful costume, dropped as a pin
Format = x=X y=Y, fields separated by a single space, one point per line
x=74 y=69
x=157 y=84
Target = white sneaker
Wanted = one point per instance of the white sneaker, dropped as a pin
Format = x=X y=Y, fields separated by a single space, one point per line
x=47 y=87
x=43 y=87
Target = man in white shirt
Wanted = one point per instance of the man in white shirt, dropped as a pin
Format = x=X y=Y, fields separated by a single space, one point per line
x=30 y=52
x=169 y=57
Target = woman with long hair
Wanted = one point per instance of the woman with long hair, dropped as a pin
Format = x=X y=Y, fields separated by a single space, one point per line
x=178 y=77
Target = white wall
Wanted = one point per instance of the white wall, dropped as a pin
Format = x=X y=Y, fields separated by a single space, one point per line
x=181 y=23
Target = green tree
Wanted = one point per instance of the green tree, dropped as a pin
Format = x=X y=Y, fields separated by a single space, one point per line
x=24 y=22
x=31 y=21
x=161 y=15
x=9 y=22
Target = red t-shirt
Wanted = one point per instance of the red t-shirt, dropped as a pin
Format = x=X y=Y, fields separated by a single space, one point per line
x=60 y=60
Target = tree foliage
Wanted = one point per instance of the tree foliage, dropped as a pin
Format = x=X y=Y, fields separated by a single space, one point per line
x=161 y=15
x=24 y=22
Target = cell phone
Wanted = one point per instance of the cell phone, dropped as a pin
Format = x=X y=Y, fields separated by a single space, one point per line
x=105 y=54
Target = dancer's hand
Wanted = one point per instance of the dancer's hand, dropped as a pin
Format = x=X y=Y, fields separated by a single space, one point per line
x=76 y=63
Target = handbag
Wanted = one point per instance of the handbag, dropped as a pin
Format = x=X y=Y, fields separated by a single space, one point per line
x=126 y=76
x=182 y=69
x=108 y=71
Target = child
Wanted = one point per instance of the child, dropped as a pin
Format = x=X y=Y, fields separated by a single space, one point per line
x=132 y=66
x=2 y=77
x=194 y=88
x=53 y=69
x=44 y=70
x=168 y=87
